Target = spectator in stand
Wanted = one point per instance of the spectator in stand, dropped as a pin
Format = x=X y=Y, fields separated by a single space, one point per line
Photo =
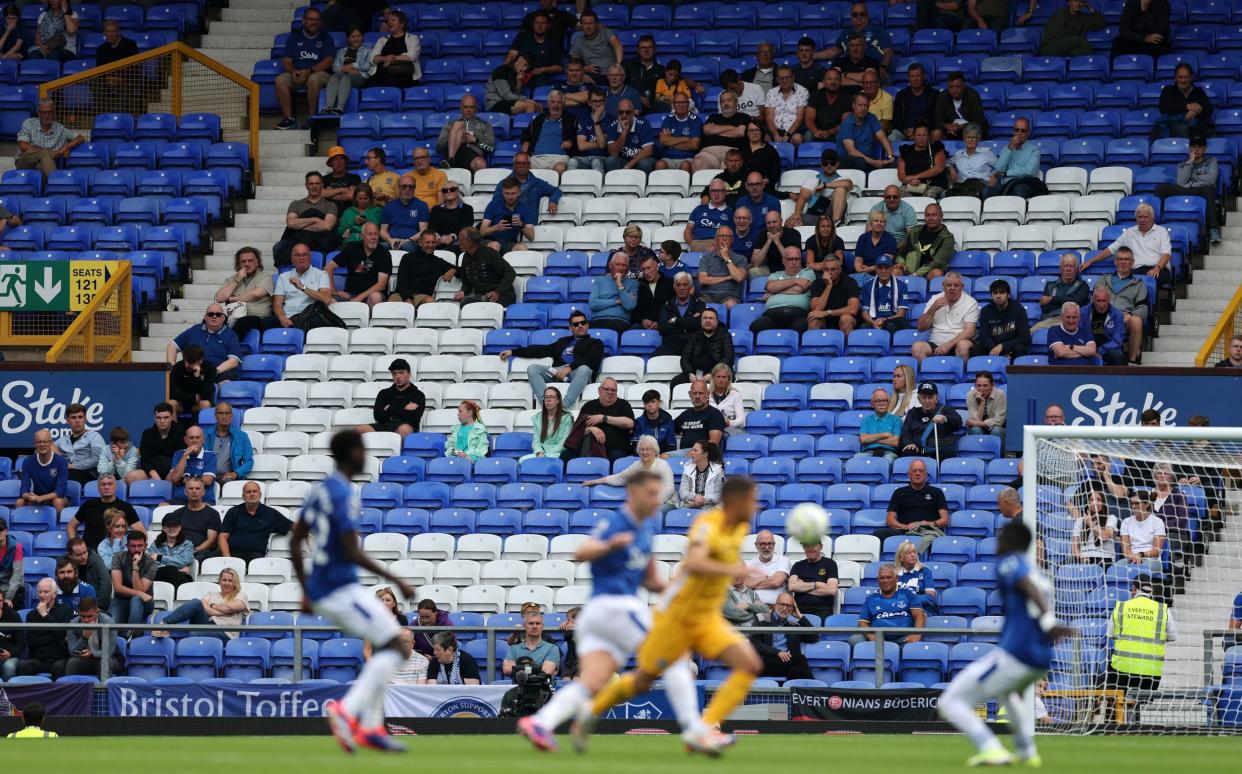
x=81 y=447
x=742 y=606
x=885 y=306
x=680 y=316
x=395 y=58
x=451 y=666
x=772 y=566
x=160 y=442
x=449 y=218
x=1142 y=533
x=1017 y=170
x=826 y=194
x=485 y=276
x=89 y=568
x=763 y=74
x=505 y=90
x=1066 y=32
x=879 y=433
x=759 y=156
x=350 y=67
x=428 y=615
x=958 y=107
x=722 y=271
x=12 y=46
x=1107 y=326
x=599 y=135
x=893 y=607
x=508 y=220
x=575 y=87
x=90 y=515
x=881 y=101
x=705 y=348
x=45 y=476
x=876 y=242
x=827 y=106
x=339 y=183
x=1095 y=527
x=468 y=438
x=361 y=211
x=750 y=97
x=814 y=581
x=534 y=188
x=1234 y=359
x=823 y=243
x=654 y=291
x=234 y=453
x=368 y=266
x=634 y=250
x=200 y=523
x=655 y=422
x=670 y=261
x=1144 y=29
x=1070 y=343
x=1197 y=176
x=952 y=317
x=307 y=63
x=421 y=270
x=879 y=43
x=541 y=47
x=972 y=167
x=389 y=600
x=192 y=382
x=916 y=577
x=12 y=571
x=756 y=199
x=1003 y=328
x=834 y=299
x=614 y=296
x=549 y=427
x=1068 y=287
x=722 y=132
x=636 y=147
x=649 y=460
x=173 y=553
x=550 y=138
x=467 y=141
x=404 y=217
x=7 y=219
x=942 y=14
x=985 y=407
x=46 y=649
x=784 y=108
x=227 y=607
x=596 y=45
x=855 y=60
x=56 y=33
x=603 y=427
x=707 y=220
x=311 y=221
x=772 y=244
x=617 y=91
x=644 y=71
x=904 y=387
x=994 y=14
x=702 y=477
x=915 y=105
x=195 y=460
x=251 y=286
x=921 y=165
x=930 y=428
x=1129 y=294
x=12 y=640
x=298 y=292
x=866 y=146
x=680 y=136
x=133 y=575
x=113 y=48
x=248 y=526
x=218 y=342
x=701 y=422
x=919 y=508
x=576 y=360
x=42 y=140
x=398 y=408
x=807 y=73
x=899 y=216
x=1170 y=506
x=429 y=182
x=727 y=399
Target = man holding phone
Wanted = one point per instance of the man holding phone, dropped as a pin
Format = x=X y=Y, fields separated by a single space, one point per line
x=86 y=645
x=507 y=221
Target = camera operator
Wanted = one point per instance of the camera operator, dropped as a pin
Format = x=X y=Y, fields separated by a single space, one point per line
x=544 y=655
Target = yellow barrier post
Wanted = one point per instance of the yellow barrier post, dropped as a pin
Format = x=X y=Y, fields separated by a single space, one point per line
x=103 y=331
x=1216 y=347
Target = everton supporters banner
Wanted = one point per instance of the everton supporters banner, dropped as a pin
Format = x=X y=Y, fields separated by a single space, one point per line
x=913 y=705
x=652 y=705
x=56 y=698
x=444 y=701
x=35 y=398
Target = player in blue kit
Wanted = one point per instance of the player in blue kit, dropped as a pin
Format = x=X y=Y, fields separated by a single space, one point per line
x=326 y=526
x=1022 y=657
x=615 y=621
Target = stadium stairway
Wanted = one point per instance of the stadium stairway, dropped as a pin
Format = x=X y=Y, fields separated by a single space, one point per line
x=244 y=33
x=1214 y=285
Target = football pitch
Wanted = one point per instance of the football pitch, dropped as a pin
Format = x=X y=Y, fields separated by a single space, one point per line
x=789 y=754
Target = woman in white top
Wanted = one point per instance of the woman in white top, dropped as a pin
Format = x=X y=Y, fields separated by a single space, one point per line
x=394 y=59
x=649 y=460
x=903 y=391
x=726 y=399
x=1094 y=532
x=1142 y=534
x=703 y=476
x=225 y=607
x=56 y=33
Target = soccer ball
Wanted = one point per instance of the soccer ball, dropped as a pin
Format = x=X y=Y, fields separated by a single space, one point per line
x=807 y=523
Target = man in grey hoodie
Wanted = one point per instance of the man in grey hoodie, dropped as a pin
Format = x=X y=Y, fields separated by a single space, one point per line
x=1129 y=294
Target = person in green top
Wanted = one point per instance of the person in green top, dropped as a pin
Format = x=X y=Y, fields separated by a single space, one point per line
x=468 y=438
x=364 y=210
x=549 y=428
x=1066 y=32
x=929 y=246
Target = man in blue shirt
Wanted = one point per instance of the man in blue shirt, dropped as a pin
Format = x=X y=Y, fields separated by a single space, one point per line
x=862 y=138
x=69 y=590
x=637 y=146
x=879 y=42
x=892 y=607
x=45 y=475
x=550 y=137
x=404 y=218
x=617 y=90
x=1107 y=325
x=544 y=655
x=680 y=136
x=81 y=446
x=706 y=219
x=1070 y=343
x=883 y=302
x=1017 y=169
x=194 y=461
x=598 y=135
x=534 y=188
x=220 y=345
x=507 y=222
x=307 y=63
x=879 y=434
x=758 y=201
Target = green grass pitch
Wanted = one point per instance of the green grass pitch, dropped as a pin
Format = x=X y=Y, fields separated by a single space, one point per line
x=790 y=754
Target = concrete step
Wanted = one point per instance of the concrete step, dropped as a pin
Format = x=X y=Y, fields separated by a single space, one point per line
x=1169 y=359
x=253 y=233
x=1187 y=343
x=245 y=28
x=165 y=331
x=148 y=356
x=256 y=41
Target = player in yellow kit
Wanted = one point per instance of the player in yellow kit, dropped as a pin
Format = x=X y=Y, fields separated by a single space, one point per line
x=689 y=618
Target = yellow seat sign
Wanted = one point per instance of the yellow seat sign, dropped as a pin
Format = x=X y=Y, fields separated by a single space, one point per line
x=86 y=279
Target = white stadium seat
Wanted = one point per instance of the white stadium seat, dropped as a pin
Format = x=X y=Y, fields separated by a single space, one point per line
x=355 y=313
x=330 y=395
x=209 y=570
x=285 y=394
x=528 y=548
x=439 y=314
x=432 y=546
x=392 y=314
x=503 y=572
x=461 y=341
x=479 y=547
x=668 y=182
x=386 y=546
x=416 y=341
x=371 y=341
x=605 y=211
x=326 y=341
x=310 y=467
x=457 y=572
x=481 y=599
x=625 y=182
x=307 y=368
x=518 y=596
x=264 y=419
x=564 y=546
x=269 y=570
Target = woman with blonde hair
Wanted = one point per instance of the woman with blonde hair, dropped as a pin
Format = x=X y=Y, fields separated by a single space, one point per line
x=634 y=249
x=114 y=540
x=468 y=438
x=904 y=386
x=726 y=398
x=873 y=243
x=914 y=575
x=389 y=600
x=226 y=607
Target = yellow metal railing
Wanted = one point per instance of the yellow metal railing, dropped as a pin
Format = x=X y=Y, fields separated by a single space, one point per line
x=172 y=79
x=101 y=333
x=1216 y=348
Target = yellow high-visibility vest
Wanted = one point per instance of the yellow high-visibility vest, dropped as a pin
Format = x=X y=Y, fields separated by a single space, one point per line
x=1139 y=636
x=32 y=732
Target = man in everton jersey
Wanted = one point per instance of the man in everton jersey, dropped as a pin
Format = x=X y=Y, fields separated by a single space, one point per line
x=325 y=526
x=1022 y=657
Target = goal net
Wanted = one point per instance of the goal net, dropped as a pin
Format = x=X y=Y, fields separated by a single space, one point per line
x=1126 y=513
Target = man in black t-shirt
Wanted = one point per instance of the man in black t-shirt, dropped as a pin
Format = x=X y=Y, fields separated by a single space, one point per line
x=813 y=581
x=419 y=272
x=89 y=520
x=834 y=299
x=608 y=420
x=368 y=263
x=721 y=131
x=339 y=183
x=828 y=105
x=448 y=219
x=915 y=506
x=701 y=422
x=200 y=523
x=399 y=408
x=733 y=177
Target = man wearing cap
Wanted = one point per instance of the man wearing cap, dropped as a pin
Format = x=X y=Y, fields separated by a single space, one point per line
x=827 y=193
x=576 y=360
x=1197 y=176
x=399 y=408
x=929 y=428
x=1138 y=630
x=1004 y=329
x=883 y=305
x=951 y=316
x=339 y=183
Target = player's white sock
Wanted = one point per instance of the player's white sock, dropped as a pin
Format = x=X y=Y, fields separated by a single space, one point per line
x=681 y=693
x=1023 y=743
x=563 y=705
x=957 y=708
x=373 y=714
x=372 y=681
